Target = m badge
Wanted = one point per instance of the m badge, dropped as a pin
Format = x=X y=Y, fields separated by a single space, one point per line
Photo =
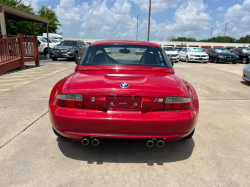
x=158 y=100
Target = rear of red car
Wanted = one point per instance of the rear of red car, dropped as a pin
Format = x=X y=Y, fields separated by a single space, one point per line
x=124 y=95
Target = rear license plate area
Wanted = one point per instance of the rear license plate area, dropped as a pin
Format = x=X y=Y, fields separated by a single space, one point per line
x=131 y=103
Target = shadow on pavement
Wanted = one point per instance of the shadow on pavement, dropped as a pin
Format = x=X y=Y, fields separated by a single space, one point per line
x=245 y=83
x=126 y=151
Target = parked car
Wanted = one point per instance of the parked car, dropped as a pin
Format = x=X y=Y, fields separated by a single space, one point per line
x=124 y=95
x=222 y=55
x=57 y=37
x=52 y=40
x=43 y=45
x=178 y=49
x=69 y=49
x=246 y=73
x=243 y=53
x=194 y=54
x=172 y=54
x=139 y=51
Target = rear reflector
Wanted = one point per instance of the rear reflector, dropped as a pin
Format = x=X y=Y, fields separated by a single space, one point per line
x=70 y=100
x=178 y=103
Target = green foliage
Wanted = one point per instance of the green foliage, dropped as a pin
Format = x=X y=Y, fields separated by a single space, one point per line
x=14 y=27
x=220 y=39
x=184 y=39
x=245 y=39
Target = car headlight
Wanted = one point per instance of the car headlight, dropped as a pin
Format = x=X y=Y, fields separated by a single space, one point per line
x=220 y=56
x=192 y=55
x=237 y=56
x=71 y=50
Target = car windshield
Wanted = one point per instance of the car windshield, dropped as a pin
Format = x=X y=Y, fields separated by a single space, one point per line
x=221 y=51
x=245 y=50
x=178 y=49
x=125 y=55
x=53 y=40
x=68 y=43
x=168 y=49
x=42 y=40
x=195 y=50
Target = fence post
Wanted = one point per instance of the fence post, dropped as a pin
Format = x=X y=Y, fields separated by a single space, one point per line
x=36 y=53
x=21 y=50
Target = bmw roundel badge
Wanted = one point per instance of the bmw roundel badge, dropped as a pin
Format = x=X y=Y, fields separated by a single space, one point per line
x=124 y=85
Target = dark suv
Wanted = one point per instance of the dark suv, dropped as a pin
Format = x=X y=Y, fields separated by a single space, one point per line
x=243 y=53
x=69 y=49
x=222 y=55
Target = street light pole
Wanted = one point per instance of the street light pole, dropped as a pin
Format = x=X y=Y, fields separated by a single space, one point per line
x=226 y=29
x=211 y=32
x=149 y=19
x=137 y=28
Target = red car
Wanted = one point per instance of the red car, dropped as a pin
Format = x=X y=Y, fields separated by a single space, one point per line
x=124 y=94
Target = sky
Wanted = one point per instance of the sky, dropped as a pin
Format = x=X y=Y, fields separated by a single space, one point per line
x=117 y=19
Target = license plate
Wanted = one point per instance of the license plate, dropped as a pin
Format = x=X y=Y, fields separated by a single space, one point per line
x=124 y=103
x=200 y=58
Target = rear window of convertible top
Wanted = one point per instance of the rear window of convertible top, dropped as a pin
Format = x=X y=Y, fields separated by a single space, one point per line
x=138 y=55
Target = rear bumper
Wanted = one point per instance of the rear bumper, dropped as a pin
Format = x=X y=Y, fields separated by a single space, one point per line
x=245 y=78
x=78 y=123
x=62 y=55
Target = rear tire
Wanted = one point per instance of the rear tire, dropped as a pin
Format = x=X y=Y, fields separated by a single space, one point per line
x=76 y=56
x=189 y=136
x=244 y=61
x=54 y=59
x=187 y=59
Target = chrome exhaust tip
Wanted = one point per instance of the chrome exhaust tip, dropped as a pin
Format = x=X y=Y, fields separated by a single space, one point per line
x=160 y=142
x=85 y=141
x=95 y=142
x=150 y=143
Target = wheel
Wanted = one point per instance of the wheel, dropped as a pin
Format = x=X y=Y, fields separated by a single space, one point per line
x=189 y=136
x=215 y=60
x=187 y=59
x=54 y=59
x=56 y=133
x=244 y=61
x=76 y=56
x=46 y=51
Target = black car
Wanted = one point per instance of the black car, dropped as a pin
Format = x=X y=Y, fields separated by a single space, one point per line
x=69 y=49
x=222 y=55
x=243 y=53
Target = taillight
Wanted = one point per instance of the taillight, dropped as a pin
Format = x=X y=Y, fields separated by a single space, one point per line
x=178 y=103
x=70 y=100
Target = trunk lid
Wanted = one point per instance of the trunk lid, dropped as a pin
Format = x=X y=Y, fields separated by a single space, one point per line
x=102 y=89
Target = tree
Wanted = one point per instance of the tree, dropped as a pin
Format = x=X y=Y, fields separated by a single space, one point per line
x=14 y=27
x=184 y=39
x=221 y=39
x=245 y=39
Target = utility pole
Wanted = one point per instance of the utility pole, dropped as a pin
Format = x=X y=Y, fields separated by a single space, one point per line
x=137 y=28
x=225 y=29
x=211 y=32
x=149 y=19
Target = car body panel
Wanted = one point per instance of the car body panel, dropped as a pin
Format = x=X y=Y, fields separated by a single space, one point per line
x=148 y=86
x=246 y=73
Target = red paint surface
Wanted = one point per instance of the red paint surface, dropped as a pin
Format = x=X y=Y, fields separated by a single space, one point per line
x=108 y=118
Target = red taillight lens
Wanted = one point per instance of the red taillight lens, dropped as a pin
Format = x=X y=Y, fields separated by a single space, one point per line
x=70 y=100
x=178 y=103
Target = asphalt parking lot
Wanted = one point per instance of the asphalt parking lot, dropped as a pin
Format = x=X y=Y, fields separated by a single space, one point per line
x=218 y=154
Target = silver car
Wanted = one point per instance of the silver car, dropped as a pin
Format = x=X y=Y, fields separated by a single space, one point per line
x=246 y=73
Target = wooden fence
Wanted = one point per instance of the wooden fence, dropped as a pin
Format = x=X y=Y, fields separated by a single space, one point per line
x=15 y=50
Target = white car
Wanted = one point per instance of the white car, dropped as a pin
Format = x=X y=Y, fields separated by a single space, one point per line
x=43 y=47
x=172 y=54
x=194 y=54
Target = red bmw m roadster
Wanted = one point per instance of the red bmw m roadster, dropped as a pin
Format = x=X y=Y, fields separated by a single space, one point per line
x=118 y=92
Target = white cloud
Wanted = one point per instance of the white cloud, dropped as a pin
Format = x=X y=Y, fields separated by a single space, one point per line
x=191 y=16
x=220 y=8
x=156 y=5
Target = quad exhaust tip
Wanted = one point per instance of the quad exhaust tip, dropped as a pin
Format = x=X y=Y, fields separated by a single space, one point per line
x=85 y=141
x=150 y=143
x=95 y=142
x=160 y=143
